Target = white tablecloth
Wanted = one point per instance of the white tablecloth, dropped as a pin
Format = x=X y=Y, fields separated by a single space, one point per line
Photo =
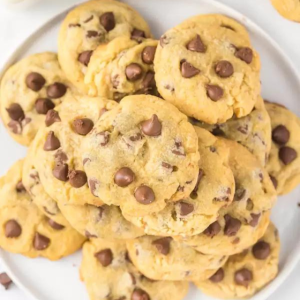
x=16 y=24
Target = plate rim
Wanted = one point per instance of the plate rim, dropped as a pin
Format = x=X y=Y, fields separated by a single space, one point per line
x=291 y=262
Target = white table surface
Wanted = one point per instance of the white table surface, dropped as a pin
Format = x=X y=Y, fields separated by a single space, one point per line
x=15 y=25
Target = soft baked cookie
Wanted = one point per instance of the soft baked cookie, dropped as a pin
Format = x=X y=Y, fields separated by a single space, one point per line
x=24 y=229
x=56 y=149
x=208 y=72
x=91 y=24
x=149 y=152
x=105 y=222
x=29 y=89
x=284 y=160
x=245 y=220
x=246 y=273
x=289 y=9
x=162 y=258
x=109 y=274
x=122 y=67
x=214 y=189
x=252 y=131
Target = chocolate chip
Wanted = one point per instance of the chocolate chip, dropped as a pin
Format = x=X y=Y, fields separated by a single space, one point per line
x=287 y=155
x=232 y=225
x=152 y=127
x=77 y=178
x=144 y=195
x=254 y=220
x=107 y=20
x=105 y=257
x=20 y=187
x=134 y=72
x=218 y=131
x=179 y=150
x=40 y=242
x=213 y=229
x=261 y=250
x=163 y=245
x=15 y=127
x=137 y=34
x=149 y=81
x=15 y=112
x=274 y=181
x=60 y=156
x=52 y=142
x=195 y=190
x=43 y=105
x=52 y=116
x=92 y=34
x=148 y=54
x=280 y=135
x=139 y=294
x=84 y=57
x=93 y=184
x=188 y=70
x=83 y=126
x=224 y=69
x=218 y=276
x=61 y=171
x=243 y=277
x=89 y=235
x=5 y=280
x=245 y=54
x=243 y=129
x=89 y=19
x=124 y=177
x=185 y=208
x=56 y=90
x=55 y=225
x=74 y=25
x=196 y=45
x=239 y=194
x=35 y=81
x=12 y=229
x=250 y=204
x=214 y=92
x=104 y=138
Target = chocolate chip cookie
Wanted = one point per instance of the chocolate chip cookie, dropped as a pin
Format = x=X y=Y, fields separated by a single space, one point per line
x=122 y=67
x=24 y=229
x=289 y=9
x=162 y=258
x=208 y=72
x=29 y=89
x=92 y=24
x=214 y=189
x=141 y=155
x=108 y=273
x=246 y=273
x=252 y=131
x=284 y=161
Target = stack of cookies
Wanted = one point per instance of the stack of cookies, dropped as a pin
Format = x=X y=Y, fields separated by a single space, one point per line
x=160 y=157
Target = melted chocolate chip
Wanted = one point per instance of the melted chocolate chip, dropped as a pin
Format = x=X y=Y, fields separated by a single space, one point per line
x=152 y=127
x=84 y=57
x=218 y=276
x=287 y=155
x=232 y=225
x=188 y=70
x=93 y=184
x=77 y=178
x=134 y=72
x=15 y=112
x=43 y=105
x=92 y=34
x=90 y=235
x=163 y=245
x=12 y=229
x=213 y=229
x=40 y=242
x=185 y=208
x=105 y=257
x=124 y=177
x=274 y=181
x=148 y=54
x=52 y=142
x=55 y=225
x=144 y=195
x=280 y=135
x=224 y=69
x=214 y=92
x=137 y=35
x=35 y=81
x=52 y=116
x=196 y=45
x=83 y=126
x=261 y=250
x=61 y=171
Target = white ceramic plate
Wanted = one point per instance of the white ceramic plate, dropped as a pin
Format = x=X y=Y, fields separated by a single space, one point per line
x=44 y=280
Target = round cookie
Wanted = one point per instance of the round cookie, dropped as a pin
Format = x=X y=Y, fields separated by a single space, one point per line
x=149 y=153
x=214 y=189
x=246 y=273
x=245 y=220
x=108 y=274
x=252 y=131
x=166 y=259
x=105 y=222
x=289 y=9
x=284 y=160
x=29 y=89
x=24 y=229
x=92 y=24
x=122 y=67
x=56 y=149
x=208 y=72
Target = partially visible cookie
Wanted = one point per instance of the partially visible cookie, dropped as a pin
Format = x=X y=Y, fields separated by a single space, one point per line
x=252 y=131
x=108 y=274
x=91 y=24
x=214 y=189
x=289 y=9
x=166 y=259
x=29 y=89
x=149 y=152
x=122 y=67
x=284 y=160
x=208 y=72
x=246 y=273
x=24 y=229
